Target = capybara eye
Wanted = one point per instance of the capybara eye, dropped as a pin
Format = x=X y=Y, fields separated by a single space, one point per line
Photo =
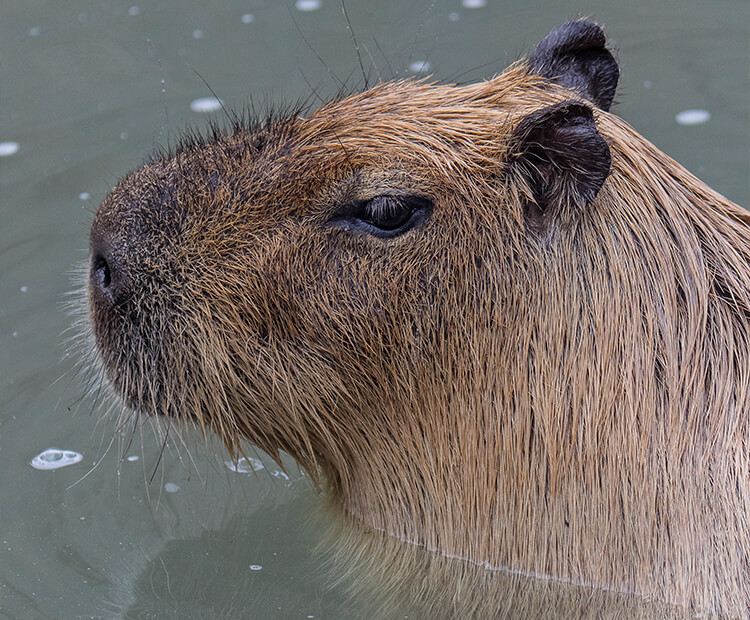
x=384 y=216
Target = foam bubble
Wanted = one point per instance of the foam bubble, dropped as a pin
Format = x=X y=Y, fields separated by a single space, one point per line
x=54 y=458
x=248 y=18
x=205 y=104
x=420 y=66
x=171 y=487
x=307 y=5
x=692 y=117
x=245 y=465
x=8 y=148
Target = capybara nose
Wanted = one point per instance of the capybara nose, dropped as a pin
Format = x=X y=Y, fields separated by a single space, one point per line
x=106 y=274
x=101 y=272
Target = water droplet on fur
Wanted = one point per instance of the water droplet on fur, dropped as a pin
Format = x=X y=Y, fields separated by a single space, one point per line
x=8 y=148
x=245 y=465
x=205 y=104
x=307 y=5
x=54 y=458
x=692 y=117
x=171 y=487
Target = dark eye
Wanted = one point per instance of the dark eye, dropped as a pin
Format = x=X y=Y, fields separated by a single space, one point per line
x=384 y=216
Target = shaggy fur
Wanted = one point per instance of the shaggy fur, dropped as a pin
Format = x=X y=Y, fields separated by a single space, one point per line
x=570 y=400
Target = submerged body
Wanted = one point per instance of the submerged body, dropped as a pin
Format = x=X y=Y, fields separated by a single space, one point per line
x=495 y=319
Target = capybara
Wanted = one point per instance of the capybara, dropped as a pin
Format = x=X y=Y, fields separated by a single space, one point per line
x=496 y=321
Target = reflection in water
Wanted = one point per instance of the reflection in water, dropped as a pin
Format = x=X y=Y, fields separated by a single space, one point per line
x=397 y=580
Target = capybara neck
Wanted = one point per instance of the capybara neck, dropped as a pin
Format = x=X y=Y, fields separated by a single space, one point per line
x=493 y=318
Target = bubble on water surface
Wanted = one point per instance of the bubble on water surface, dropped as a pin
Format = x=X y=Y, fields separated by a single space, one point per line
x=248 y=18
x=420 y=66
x=256 y=567
x=54 y=458
x=307 y=5
x=197 y=34
x=205 y=104
x=692 y=117
x=134 y=10
x=34 y=31
x=132 y=458
x=245 y=465
x=84 y=195
x=171 y=487
x=8 y=148
x=474 y=4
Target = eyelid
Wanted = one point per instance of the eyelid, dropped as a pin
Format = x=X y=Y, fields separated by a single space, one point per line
x=355 y=217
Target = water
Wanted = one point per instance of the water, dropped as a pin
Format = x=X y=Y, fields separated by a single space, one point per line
x=88 y=88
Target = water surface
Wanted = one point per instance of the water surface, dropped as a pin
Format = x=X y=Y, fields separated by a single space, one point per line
x=88 y=89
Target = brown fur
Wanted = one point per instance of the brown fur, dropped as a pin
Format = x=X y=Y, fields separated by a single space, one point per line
x=572 y=404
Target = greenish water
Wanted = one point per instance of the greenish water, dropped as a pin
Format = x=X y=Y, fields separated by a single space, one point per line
x=86 y=91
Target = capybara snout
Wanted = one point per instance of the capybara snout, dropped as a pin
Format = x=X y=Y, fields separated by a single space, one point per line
x=496 y=320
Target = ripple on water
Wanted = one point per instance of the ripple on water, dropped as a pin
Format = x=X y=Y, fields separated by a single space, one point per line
x=307 y=5
x=420 y=66
x=205 y=104
x=245 y=465
x=692 y=117
x=54 y=458
x=8 y=148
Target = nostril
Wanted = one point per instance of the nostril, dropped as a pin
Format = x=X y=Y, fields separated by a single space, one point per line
x=102 y=273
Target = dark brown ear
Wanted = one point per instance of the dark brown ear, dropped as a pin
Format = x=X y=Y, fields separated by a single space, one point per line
x=561 y=157
x=575 y=55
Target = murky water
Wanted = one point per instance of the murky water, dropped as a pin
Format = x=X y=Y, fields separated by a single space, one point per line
x=87 y=88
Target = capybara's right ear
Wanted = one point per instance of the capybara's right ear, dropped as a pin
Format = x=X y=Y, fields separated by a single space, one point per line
x=560 y=156
x=575 y=55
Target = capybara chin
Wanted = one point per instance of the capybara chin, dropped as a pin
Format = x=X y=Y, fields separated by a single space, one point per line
x=496 y=320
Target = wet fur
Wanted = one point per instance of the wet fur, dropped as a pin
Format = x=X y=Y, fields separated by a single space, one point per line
x=566 y=400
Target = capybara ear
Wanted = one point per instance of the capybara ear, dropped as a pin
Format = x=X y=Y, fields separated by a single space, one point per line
x=575 y=55
x=560 y=155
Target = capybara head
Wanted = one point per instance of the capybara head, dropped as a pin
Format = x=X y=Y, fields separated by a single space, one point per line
x=499 y=322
